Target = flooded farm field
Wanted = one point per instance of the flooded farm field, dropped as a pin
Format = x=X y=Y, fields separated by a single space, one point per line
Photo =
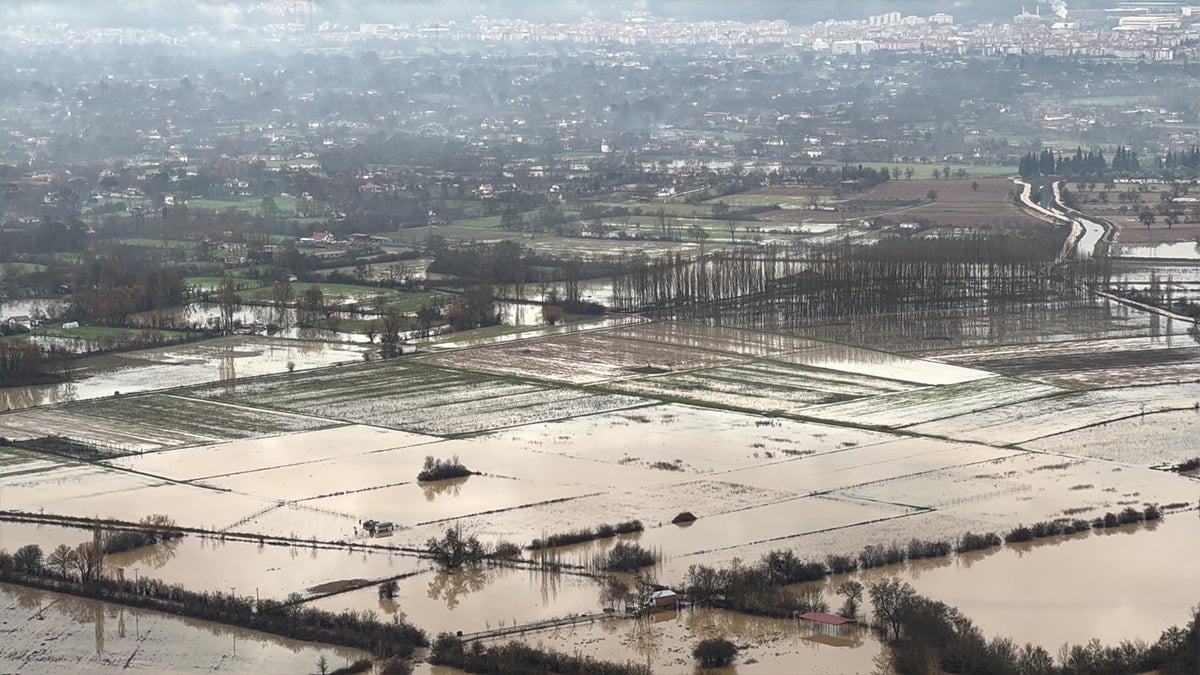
x=1050 y=592
x=253 y=455
x=1147 y=440
x=664 y=641
x=419 y=398
x=221 y=359
x=54 y=633
x=135 y=424
x=1167 y=357
x=478 y=599
x=772 y=440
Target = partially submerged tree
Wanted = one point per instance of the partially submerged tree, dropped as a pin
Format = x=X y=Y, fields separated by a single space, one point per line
x=455 y=550
x=715 y=652
x=853 y=592
x=62 y=559
x=892 y=599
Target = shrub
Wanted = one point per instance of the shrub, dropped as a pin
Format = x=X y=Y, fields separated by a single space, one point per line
x=603 y=531
x=626 y=557
x=395 y=667
x=506 y=550
x=359 y=666
x=1130 y=515
x=877 y=555
x=1188 y=465
x=841 y=564
x=629 y=526
x=1152 y=512
x=516 y=657
x=442 y=469
x=976 y=542
x=389 y=589
x=918 y=549
x=1018 y=534
x=715 y=652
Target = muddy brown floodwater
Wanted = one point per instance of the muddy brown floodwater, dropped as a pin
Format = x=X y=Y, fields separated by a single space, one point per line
x=1128 y=583
x=42 y=632
x=664 y=641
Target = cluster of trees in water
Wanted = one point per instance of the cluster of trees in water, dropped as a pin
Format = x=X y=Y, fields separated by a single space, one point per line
x=514 y=658
x=24 y=362
x=929 y=637
x=844 y=278
x=757 y=588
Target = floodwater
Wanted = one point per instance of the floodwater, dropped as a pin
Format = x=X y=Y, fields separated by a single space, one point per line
x=215 y=360
x=248 y=568
x=32 y=307
x=884 y=365
x=460 y=342
x=14 y=535
x=47 y=632
x=1130 y=583
x=262 y=454
x=477 y=599
x=664 y=641
x=1181 y=250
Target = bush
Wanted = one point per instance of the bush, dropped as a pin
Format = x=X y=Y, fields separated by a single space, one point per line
x=359 y=666
x=442 y=469
x=841 y=564
x=1152 y=512
x=603 y=531
x=626 y=557
x=715 y=652
x=918 y=549
x=976 y=542
x=1130 y=515
x=1018 y=534
x=683 y=517
x=876 y=555
x=506 y=550
x=516 y=657
x=389 y=589
x=395 y=667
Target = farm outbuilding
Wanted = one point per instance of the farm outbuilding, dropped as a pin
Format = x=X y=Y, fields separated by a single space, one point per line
x=664 y=599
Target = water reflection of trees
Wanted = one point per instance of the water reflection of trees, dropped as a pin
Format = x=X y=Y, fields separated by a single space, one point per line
x=154 y=556
x=451 y=487
x=451 y=586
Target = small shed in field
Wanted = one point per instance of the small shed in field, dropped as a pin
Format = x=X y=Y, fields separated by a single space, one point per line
x=664 y=599
x=831 y=629
x=827 y=619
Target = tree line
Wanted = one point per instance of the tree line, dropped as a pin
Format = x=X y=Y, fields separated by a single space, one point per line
x=844 y=278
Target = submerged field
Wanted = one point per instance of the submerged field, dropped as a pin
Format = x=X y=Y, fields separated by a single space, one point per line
x=55 y=633
x=772 y=439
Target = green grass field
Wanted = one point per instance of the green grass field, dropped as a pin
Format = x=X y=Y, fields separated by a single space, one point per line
x=100 y=332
